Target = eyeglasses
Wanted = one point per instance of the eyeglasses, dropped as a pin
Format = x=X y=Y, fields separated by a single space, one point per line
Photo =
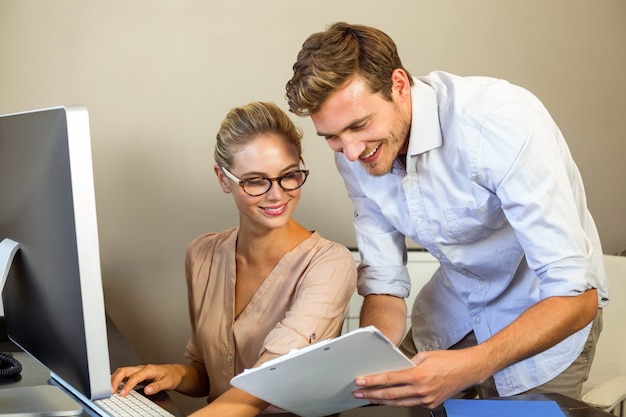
x=256 y=186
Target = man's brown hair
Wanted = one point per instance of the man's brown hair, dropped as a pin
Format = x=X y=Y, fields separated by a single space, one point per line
x=329 y=59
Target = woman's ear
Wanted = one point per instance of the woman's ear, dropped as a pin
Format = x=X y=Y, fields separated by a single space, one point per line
x=222 y=179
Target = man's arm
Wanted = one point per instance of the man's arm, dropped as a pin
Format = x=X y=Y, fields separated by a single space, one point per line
x=438 y=375
x=540 y=327
x=387 y=313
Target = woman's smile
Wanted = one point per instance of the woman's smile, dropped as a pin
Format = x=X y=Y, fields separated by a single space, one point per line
x=275 y=210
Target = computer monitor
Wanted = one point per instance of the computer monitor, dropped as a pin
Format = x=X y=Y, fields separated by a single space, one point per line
x=53 y=298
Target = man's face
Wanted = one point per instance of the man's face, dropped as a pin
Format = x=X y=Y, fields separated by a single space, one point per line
x=365 y=126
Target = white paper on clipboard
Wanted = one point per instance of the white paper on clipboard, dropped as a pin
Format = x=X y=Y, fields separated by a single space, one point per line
x=318 y=380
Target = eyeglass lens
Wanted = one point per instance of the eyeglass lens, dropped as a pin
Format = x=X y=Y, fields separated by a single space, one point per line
x=260 y=185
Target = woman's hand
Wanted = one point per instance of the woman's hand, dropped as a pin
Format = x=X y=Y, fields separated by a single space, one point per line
x=160 y=378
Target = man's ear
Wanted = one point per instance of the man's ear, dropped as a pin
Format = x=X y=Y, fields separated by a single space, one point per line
x=222 y=179
x=400 y=84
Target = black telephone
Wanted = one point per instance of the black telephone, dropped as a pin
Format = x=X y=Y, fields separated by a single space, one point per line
x=9 y=366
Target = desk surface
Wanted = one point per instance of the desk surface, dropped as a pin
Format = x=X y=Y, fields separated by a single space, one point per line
x=120 y=352
x=34 y=373
x=570 y=407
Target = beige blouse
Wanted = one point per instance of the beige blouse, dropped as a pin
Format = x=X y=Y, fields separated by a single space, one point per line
x=302 y=301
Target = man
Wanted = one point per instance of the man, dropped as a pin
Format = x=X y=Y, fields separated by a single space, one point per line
x=475 y=170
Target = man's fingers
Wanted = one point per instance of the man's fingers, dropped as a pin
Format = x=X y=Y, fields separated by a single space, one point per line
x=384 y=379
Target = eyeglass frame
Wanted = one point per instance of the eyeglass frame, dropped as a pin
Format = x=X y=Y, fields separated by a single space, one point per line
x=277 y=179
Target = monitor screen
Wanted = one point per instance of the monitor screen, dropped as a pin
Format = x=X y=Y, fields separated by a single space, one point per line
x=53 y=299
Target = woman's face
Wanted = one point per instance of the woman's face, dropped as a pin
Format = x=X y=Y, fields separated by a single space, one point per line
x=270 y=156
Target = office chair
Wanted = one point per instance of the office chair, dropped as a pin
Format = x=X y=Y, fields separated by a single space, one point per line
x=606 y=387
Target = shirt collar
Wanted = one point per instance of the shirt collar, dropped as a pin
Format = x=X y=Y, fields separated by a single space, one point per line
x=425 y=129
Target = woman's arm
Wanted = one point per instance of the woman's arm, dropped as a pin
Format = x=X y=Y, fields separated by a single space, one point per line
x=233 y=403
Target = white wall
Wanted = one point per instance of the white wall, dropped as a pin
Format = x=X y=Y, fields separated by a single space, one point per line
x=158 y=76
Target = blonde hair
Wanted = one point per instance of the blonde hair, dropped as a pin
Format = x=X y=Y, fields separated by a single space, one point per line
x=243 y=124
x=328 y=60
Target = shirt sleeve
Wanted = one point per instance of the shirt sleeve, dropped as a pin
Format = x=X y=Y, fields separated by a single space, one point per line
x=381 y=246
x=533 y=174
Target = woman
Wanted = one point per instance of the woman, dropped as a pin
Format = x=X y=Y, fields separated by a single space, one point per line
x=259 y=290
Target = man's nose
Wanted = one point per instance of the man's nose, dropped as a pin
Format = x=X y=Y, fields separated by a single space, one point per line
x=352 y=149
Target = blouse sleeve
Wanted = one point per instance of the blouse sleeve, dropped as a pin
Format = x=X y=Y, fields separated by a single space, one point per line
x=320 y=301
x=193 y=256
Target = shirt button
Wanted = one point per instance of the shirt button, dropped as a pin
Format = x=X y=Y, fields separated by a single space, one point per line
x=420 y=220
x=229 y=359
x=477 y=319
x=481 y=286
x=438 y=255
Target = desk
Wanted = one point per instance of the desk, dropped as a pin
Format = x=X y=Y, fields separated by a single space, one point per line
x=570 y=407
x=36 y=374
x=120 y=352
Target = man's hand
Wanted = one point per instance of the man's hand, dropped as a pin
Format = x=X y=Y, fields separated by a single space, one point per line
x=437 y=376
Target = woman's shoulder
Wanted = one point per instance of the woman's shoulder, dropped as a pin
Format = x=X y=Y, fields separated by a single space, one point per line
x=325 y=247
x=327 y=262
x=208 y=241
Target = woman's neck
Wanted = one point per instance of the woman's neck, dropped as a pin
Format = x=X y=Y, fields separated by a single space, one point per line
x=271 y=244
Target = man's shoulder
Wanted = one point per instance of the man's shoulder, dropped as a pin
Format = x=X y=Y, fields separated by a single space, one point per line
x=469 y=100
x=448 y=79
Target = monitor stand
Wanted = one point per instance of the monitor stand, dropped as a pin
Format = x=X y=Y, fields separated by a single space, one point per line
x=8 y=248
x=37 y=400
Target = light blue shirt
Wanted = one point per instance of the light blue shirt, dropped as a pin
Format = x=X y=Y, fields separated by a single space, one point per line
x=491 y=190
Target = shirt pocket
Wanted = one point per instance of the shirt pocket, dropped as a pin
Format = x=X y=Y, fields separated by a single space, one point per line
x=469 y=224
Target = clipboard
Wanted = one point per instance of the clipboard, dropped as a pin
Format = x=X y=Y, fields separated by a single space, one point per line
x=318 y=379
